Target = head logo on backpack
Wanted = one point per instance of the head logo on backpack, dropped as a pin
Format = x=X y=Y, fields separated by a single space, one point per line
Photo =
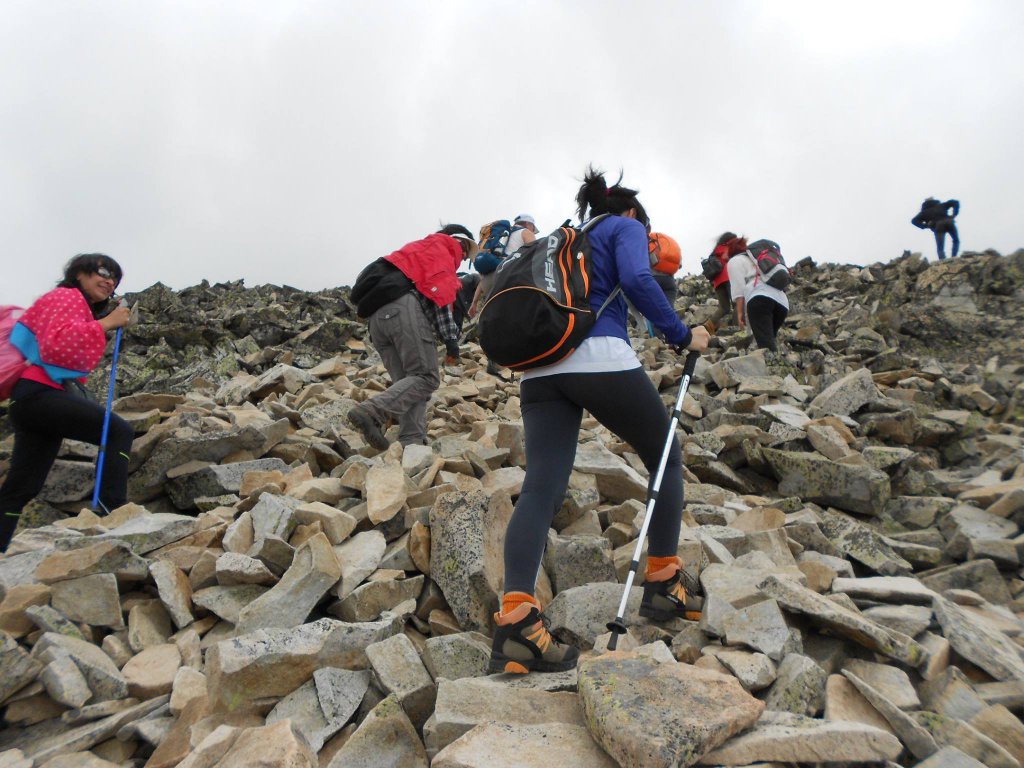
x=12 y=362
x=767 y=255
x=493 y=239
x=539 y=309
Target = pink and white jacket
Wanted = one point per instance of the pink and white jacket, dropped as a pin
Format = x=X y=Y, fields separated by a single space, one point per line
x=59 y=337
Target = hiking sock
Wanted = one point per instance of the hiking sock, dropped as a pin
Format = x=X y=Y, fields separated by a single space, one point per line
x=513 y=600
x=657 y=568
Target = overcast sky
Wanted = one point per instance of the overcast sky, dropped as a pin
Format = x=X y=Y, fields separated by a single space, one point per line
x=292 y=142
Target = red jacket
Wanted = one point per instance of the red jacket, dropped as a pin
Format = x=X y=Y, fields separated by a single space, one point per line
x=724 y=252
x=431 y=264
x=62 y=337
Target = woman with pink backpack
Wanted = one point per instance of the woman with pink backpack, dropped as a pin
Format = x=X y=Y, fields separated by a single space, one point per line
x=62 y=337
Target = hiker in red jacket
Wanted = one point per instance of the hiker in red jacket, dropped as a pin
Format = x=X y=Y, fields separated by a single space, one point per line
x=63 y=335
x=403 y=332
x=728 y=245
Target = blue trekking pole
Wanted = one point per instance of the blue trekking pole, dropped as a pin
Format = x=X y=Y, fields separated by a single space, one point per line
x=106 y=425
x=618 y=627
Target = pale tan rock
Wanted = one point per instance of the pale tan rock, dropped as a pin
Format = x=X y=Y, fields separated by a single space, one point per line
x=304 y=533
x=188 y=684
x=175 y=591
x=15 y=758
x=148 y=624
x=190 y=645
x=337 y=525
x=30 y=710
x=89 y=599
x=844 y=702
x=386 y=491
x=325 y=490
x=385 y=737
x=273 y=746
x=827 y=441
x=786 y=737
x=78 y=760
x=501 y=745
x=359 y=556
x=234 y=568
x=240 y=535
x=256 y=479
x=274 y=662
x=399 y=671
x=419 y=546
x=151 y=673
x=463 y=704
x=13 y=619
x=760 y=519
x=314 y=570
x=116 y=751
x=819 y=576
x=204 y=572
x=62 y=679
x=117 y=648
x=1003 y=727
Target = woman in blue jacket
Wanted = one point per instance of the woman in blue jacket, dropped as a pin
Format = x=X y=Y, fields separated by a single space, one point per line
x=605 y=377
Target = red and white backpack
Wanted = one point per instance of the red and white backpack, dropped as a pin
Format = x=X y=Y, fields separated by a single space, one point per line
x=12 y=362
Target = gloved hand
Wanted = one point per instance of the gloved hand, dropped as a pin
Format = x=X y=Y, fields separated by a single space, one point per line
x=451 y=348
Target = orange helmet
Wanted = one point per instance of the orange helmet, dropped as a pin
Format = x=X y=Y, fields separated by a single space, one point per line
x=665 y=253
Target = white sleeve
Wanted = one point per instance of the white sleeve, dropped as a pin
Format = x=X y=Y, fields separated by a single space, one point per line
x=738 y=276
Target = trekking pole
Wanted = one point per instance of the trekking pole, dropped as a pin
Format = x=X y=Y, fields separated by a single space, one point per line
x=106 y=424
x=618 y=627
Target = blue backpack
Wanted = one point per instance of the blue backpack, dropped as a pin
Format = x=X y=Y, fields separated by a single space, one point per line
x=493 y=239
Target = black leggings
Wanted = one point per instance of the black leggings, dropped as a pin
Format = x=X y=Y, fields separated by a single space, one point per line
x=42 y=417
x=765 y=317
x=627 y=403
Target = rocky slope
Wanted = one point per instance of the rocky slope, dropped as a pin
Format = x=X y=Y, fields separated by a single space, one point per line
x=281 y=594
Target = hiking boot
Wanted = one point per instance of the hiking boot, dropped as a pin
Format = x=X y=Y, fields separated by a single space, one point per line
x=495 y=370
x=368 y=427
x=675 y=597
x=523 y=644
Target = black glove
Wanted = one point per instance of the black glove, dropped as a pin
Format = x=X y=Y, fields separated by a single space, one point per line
x=451 y=347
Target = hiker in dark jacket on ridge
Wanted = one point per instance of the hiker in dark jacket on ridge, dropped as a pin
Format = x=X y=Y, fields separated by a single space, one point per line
x=936 y=216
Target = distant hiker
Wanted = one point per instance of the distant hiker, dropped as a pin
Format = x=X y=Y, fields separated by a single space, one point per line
x=936 y=216
x=63 y=335
x=604 y=376
x=408 y=297
x=469 y=281
x=523 y=231
x=729 y=244
x=757 y=303
x=665 y=257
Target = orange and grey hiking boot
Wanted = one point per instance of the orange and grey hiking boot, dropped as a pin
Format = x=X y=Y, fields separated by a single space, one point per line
x=671 y=593
x=523 y=644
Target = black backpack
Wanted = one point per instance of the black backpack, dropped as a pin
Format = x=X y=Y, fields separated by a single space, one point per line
x=539 y=307
x=768 y=256
x=711 y=267
x=378 y=284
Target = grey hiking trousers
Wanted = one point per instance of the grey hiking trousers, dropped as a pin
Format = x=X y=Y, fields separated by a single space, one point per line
x=404 y=337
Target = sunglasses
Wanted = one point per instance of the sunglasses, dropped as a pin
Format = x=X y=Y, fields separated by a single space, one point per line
x=106 y=274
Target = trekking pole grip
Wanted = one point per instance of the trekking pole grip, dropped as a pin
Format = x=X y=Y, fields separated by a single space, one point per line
x=691 y=363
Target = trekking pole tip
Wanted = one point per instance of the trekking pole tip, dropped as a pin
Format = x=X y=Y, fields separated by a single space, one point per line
x=617 y=627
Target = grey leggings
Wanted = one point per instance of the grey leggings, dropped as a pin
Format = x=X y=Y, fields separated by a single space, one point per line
x=627 y=403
